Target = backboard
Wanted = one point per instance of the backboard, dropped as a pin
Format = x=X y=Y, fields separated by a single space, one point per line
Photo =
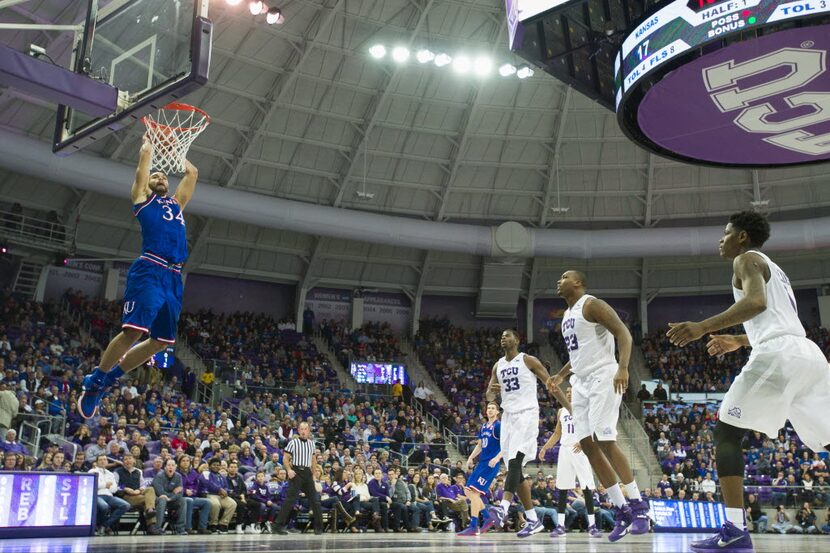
x=153 y=51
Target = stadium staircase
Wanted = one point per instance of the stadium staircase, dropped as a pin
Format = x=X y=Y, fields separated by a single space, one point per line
x=344 y=378
x=418 y=373
x=27 y=278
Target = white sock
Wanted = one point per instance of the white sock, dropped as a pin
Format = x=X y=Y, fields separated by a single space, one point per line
x=530 y=515
x=560 y=518
x=616 y=496
x=592 y=520
x=633 y=491
x=736 y=516
x=505 y=505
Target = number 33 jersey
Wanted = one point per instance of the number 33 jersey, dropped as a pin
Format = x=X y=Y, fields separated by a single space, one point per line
x=590 y=345
x=518 y=384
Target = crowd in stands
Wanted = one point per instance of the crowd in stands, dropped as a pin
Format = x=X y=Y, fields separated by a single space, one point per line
x=691 y=369
x=373 y=341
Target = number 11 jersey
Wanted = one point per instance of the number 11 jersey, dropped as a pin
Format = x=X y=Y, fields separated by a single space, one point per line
x=518 y=384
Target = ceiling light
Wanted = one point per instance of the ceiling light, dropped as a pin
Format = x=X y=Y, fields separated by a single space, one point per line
x=482 y=66
x=233 y=2
x=400 y=54
x=524 y=72
x=424 y=56
x=377 y=51
x=257 y=7
x=442 y=59
x=462 y=64
x=275 y=16
x=507 y=69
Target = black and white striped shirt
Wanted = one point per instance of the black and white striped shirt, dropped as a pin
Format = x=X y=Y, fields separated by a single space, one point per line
x=302 y=452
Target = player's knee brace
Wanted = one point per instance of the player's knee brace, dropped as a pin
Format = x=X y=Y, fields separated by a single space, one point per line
x=728 y=452
x=563 y=501
x=514 y=474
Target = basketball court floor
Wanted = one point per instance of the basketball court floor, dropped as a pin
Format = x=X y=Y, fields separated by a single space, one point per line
x=426 y=543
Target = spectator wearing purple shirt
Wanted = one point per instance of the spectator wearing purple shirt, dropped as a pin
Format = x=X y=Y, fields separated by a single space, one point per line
x=213 y=486
x=11 y=445
x=380 y=489
x=190 y=485
x=452 y=495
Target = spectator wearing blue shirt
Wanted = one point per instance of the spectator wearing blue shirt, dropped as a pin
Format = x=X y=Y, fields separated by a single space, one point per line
x=214 y=487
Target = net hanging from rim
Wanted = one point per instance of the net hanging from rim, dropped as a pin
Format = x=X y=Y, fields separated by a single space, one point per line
x=172 y=130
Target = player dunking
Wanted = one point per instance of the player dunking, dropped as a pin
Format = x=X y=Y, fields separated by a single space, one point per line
x=572 y=464
x=478 y=483
x=153 y=297
x=515 y=375
x=590 y=327
x=786 y=376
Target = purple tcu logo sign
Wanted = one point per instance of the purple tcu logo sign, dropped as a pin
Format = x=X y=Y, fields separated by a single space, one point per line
x=759 y=102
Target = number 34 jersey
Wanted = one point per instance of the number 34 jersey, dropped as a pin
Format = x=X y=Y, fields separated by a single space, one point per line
x=590 y=345
x=518 y=384
x=162 y=228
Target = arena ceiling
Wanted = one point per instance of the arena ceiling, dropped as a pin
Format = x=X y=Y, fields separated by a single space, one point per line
x=302 y=112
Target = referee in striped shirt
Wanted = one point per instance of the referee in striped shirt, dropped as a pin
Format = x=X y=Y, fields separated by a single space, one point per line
x=299 y=459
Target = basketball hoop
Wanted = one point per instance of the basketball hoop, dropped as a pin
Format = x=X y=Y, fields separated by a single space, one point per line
x=172 y=130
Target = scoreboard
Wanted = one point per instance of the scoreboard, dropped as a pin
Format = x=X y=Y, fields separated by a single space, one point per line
x=687 y=24
x=38 y=504
x=679 y=516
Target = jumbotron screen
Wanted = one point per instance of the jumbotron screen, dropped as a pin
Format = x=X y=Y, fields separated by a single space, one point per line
x=678 y=516
x=37 y=504
x=378 y=373
x=531 y=8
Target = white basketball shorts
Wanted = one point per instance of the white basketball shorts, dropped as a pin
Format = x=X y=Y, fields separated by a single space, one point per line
x=572 y=466
x=785 y=378
x=520 y=434
x=596 y=406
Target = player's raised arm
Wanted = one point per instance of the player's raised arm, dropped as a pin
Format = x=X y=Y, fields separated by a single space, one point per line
x=597 y=311
x=141 y=185
x=492 y=386
x=750 y=270
x=188 y=184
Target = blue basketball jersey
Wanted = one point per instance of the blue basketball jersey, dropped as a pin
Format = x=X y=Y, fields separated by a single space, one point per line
x=163 y=230
x=490 y=434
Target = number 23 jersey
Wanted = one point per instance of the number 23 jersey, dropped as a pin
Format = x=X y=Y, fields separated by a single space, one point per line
x=518 y=384
x=590 y=345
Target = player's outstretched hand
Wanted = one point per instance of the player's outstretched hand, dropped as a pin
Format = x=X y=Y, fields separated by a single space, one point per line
x=681 y=334
x=621 y=380
x=720 y=344
x=553 y=382
x=577 y=448
x=542 y=453
x=469 y=464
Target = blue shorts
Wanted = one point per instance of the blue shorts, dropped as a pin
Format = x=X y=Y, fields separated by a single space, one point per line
x=153 y=300
x=481 y=477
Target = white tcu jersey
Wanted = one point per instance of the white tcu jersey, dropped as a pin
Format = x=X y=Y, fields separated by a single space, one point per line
x=780 y=318
x=566 y=425
x=590 y=345
x=518 y=384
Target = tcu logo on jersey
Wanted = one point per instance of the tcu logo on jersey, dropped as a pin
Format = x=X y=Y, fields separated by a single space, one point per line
x=734 y=86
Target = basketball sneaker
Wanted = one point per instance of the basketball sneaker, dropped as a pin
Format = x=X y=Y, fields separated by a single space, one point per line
x=497 y=515
x=531 y=528
x=639 y=517
x=558 y=531
x=730 y=538
x=92 y=387
x=469 y=531
x=488 y=524
x=622 y=517
x=594 y=532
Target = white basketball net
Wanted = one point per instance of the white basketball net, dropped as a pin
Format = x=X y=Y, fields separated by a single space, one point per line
x=172 y=130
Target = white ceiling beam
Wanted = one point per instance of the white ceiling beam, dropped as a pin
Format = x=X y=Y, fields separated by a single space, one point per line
x=553 y=165
x=371 y=118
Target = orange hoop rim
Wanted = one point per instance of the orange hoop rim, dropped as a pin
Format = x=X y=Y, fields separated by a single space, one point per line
x=178 y=106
